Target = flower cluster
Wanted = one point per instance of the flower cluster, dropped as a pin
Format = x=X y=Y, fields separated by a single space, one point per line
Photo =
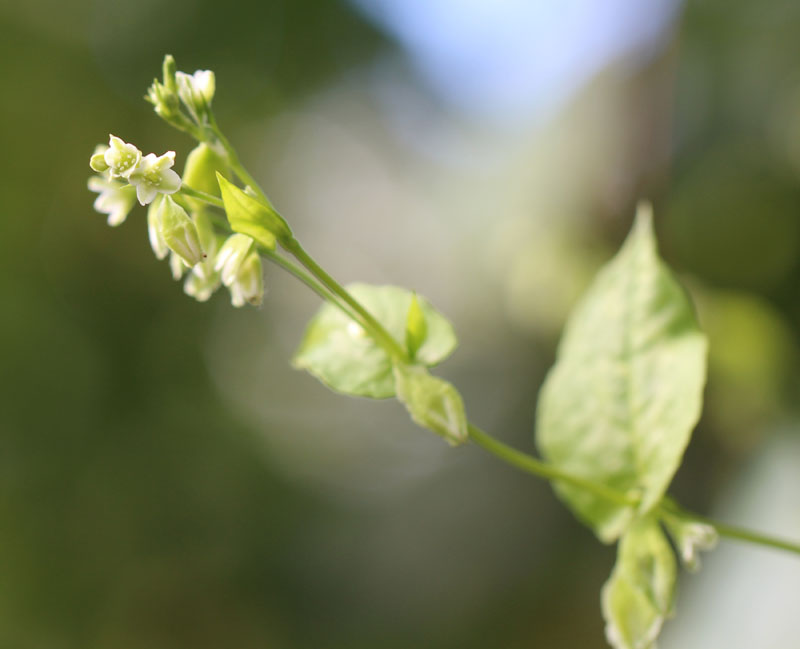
x=194 y=247
x=122 y=164
x=183 y=100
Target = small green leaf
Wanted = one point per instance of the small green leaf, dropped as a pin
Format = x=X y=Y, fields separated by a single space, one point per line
x=433 y=403
x=248 y=215
x=416 y=327
x=639 y=595
x=343 y=356
x=620 y=404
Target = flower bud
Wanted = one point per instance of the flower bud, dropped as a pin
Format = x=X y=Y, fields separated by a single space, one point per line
x=166 y=103
x=231 y=257
x=178 y=231
x=690 y=538
x=177 y=266
x=201 y=287
x=168 y=69
x=249 y=283
x=157 y=242
x=196 y=92
x=98 y=161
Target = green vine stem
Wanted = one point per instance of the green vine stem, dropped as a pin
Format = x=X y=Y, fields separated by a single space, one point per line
x=326 y=287
x=731 y=531
x=377 y=330
x=536 y=467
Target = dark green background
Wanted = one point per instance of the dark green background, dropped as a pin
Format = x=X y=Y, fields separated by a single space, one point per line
x=141 y=508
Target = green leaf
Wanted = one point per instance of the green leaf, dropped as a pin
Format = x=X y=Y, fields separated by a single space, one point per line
x=250 y=216
x=433 y=403
x=416 y=327
x=343 y=356
x=639 y=595
x=620 y=403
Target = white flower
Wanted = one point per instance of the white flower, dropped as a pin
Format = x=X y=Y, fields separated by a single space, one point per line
x=196 y=91
x=121 y=158
x=200 y=285
x=177 y=266
x=153 y=176
x=248 y=286
x=231 y=256
x=116 y=199
x=157 y=243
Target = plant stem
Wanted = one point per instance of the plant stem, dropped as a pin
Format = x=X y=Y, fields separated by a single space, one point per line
x=379 y=333
x=741 y=534
x=234 y=162
x=544 y=470
x=329 y=289
x=309 y=281
x=202 y=196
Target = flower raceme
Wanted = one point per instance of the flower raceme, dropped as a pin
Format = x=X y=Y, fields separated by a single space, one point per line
x=195 y=249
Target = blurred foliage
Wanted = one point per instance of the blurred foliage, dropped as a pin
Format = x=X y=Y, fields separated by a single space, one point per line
x=144 y=503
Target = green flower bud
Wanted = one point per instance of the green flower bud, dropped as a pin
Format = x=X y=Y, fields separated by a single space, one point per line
x=168 y=70
x=166 y=103
x=203 y=280
x=178 y=231
x=98 y=160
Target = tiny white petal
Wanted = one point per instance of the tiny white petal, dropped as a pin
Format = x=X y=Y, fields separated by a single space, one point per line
x=145 y=193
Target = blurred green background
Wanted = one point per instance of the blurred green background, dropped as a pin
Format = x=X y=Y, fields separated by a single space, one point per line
x=168 y=481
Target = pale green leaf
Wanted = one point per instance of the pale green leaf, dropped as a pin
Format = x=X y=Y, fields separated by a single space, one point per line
x=639 y=595
x=416 y=327
x=343 y=356
x=248 y=215
x=620 y=403
x=433 y=403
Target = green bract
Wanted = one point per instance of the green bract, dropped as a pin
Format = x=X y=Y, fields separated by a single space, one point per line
x=416 y=327
x=620 y=404
x=343 y=356
x=433 y=403
x=250 y=216
x=639 y=595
